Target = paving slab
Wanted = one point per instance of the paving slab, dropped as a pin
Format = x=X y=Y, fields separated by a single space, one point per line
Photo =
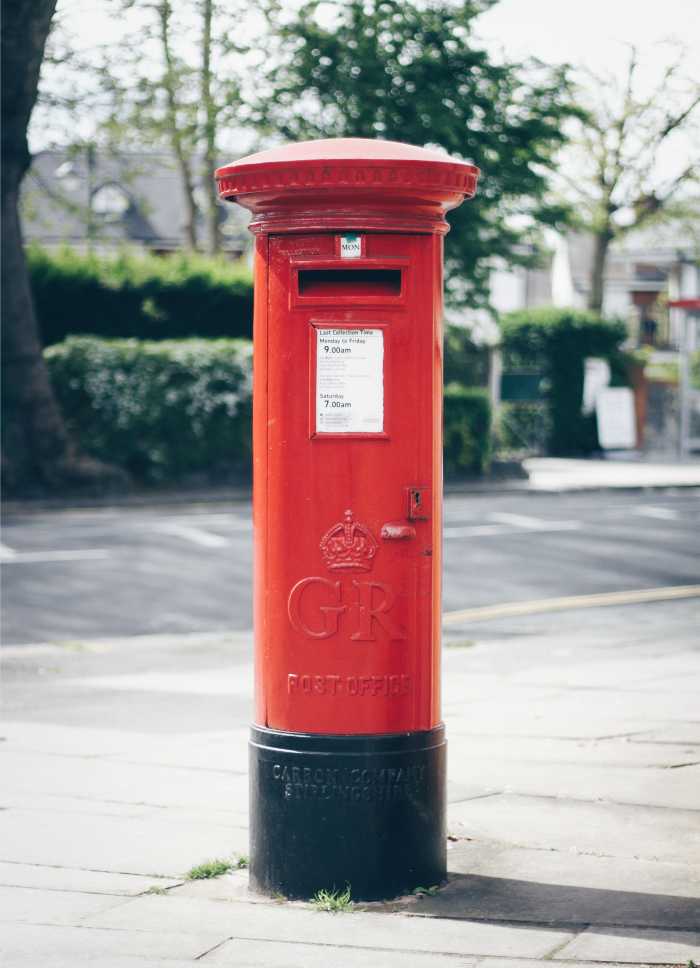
x=476 y=896
x=164 y=845
x=677 y=733
x=84 y=881
x=33 y=906
x=619 y=754
x=240 y=953
x=53 y=946
x=605 y=829
x=224 y=750
x=292 y=923
x=567 y=868
x=107 y=779
x=648 y=787
x=633 y=945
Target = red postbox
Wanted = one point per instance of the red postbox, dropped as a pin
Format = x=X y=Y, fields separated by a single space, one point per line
x=347 y=749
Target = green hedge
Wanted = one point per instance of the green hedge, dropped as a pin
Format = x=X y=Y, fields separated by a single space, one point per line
x=467 y=431
x=557 y=341
x=163 y=411
x=464 y=361
x=142 y=296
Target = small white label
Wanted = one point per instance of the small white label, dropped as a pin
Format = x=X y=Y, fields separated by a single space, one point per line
x=349 y=381
x=614 y=408
x=350 y=247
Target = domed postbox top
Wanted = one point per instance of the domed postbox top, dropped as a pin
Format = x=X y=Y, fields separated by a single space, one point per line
x=344 y=180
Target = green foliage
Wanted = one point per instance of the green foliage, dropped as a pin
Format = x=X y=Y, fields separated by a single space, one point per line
x=557 y=341
x=412 y=72
x=210 y=868
x=467 y=430
x=523 y=428
x=161 y=410
x=464 y=361
x=333 y=901
x=143 y=296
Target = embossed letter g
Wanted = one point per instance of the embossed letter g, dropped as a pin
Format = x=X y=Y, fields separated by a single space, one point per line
x=331 y=612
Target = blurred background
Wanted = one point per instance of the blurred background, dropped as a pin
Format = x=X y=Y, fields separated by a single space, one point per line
x=128 y=291
x=572 y=282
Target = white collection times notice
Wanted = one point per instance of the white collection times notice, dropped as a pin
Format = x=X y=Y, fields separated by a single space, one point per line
x=349 y=381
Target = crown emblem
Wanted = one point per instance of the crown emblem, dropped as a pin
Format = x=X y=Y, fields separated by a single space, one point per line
x=348 y=545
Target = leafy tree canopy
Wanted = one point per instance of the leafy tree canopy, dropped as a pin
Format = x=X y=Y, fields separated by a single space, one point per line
x=413 y=72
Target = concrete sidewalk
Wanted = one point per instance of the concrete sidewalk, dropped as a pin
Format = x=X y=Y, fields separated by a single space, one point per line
x=574 y=817
x=556 y=474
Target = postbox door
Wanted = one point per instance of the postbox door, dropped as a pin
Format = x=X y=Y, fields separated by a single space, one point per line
x=351 y=576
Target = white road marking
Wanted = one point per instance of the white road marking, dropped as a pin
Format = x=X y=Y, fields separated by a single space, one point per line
x=480 y=530
x=6 y=554
x=517 y=520
x=33 y=557
x=198 y=536
x=599 y=600
x=654 y=511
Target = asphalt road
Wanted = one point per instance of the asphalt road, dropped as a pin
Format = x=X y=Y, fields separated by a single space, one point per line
x=81 y=575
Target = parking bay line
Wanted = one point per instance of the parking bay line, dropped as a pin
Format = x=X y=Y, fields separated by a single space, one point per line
x=9 y=556
x=485 y=530
x=599 y=600
x=198 y=536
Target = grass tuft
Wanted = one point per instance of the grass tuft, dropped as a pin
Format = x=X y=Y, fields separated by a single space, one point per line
x=333 y=901
x=210 y=868
x=430 y=891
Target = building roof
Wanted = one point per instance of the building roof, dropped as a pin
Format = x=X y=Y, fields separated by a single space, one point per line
x=135 y=197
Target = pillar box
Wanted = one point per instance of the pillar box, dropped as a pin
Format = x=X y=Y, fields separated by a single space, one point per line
x=347 y=747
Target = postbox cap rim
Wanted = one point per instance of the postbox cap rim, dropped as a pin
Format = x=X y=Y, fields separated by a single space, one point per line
x=366 y=150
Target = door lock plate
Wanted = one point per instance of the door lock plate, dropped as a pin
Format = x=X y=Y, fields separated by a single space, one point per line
x=419 y=503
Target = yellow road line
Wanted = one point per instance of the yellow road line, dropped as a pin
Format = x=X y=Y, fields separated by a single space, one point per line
x=600 y=600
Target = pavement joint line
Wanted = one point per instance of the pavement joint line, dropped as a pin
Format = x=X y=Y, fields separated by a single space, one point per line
x=569 y=602
x=384 y=949
x=564 y=944
x=91 y=870
x=215 y=947
x=604 y=802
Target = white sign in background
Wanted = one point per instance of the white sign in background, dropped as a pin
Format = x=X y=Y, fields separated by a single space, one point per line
x=349 y=381
x=616 y=420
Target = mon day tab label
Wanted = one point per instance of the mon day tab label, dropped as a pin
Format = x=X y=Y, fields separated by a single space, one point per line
x=349 y=381
x=350 y=247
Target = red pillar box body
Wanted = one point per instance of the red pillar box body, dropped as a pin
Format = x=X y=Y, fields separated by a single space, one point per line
x=347 y=749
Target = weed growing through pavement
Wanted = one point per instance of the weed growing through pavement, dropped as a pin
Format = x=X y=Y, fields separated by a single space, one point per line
x=419 y=891
x=333 y=901
x=210 y=868
x=217 y=867
x=156 y=890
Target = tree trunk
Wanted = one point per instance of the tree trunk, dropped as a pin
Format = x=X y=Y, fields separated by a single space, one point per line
x=37 y=450
x=601 y=243
x=213 y=226
x=170 y=82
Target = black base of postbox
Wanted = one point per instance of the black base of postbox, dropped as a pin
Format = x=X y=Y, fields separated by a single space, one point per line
x=330 y=812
